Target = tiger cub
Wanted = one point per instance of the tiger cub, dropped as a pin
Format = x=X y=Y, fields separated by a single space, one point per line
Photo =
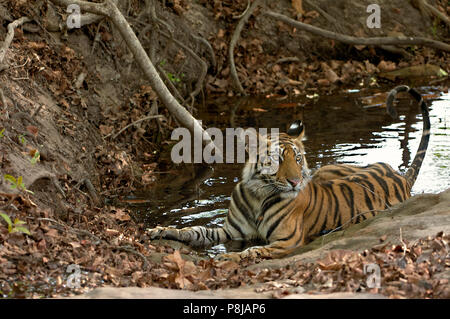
x=287 y=208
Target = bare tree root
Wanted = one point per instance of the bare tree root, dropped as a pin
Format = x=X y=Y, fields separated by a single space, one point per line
x=330 y=19
x=203 y=65
x=427 y=9
x=3 y=100
x=10 y=36
x=234 y=39
x=11 y=197
x=210 y=49
x=91 y=190
x=110 y=10
x=377 y=41
x=396 y=50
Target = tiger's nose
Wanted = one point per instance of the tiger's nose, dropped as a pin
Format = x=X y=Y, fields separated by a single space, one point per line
x=293 y=181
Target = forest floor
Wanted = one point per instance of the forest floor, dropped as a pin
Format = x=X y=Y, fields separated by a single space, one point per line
x=67 y=95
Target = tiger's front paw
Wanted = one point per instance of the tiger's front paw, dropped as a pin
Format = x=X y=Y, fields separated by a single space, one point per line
x=162 y=233
x=236 y=257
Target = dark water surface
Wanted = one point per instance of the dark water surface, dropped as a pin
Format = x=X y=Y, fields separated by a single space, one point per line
x=347 y=128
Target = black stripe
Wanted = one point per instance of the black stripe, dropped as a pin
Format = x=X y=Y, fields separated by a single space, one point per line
x=324 y=191
x=280 y=209
x=397 y=193
x=275 y=224
x=336 y=209
x=367 y=200
x=241 y=205
x=350 y=201
x=269 y=202
x=383 y=185
x=293 y=233
x=235 y=226
x=312 y=198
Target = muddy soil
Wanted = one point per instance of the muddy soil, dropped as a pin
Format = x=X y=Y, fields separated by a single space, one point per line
x=68 y=94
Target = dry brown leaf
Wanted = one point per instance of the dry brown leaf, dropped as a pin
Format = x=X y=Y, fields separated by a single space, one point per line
x=33 y=130
x=122 y=216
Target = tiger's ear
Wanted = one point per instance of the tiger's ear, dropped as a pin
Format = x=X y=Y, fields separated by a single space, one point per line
x=296 y=130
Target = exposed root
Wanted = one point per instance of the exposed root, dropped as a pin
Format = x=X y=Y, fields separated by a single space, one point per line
x=5 y=105
x=427 y=9
x=91 y=190
x=234 y=40
x=377 y=41
x=203 y=65
x=10 y=36
x=210 y=49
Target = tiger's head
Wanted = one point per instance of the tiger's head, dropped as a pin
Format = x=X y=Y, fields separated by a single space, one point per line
x=280 y=166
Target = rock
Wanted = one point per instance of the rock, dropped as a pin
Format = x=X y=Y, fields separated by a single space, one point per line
x=238 y=293
x=162 y=293
x=337 y=295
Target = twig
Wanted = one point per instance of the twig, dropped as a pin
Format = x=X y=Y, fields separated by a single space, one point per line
x=243 y=13
x=10 y=36
x=36 y=112
x=5 y=105
x=330 y=19
x=91 y=190
x=283 y=60
x=209 y=47
x=133 y=251
x=378 y=41
x=234 y=40
x=203 y=65
x=134 y=123
x=12 y=197
x=427 y=8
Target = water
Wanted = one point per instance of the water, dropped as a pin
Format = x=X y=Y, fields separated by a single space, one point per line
x=350 y=128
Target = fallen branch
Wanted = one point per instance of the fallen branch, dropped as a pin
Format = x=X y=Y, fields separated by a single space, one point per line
x=234 y=39
x=378 y=41
x=110 y=10
x=10 y=35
